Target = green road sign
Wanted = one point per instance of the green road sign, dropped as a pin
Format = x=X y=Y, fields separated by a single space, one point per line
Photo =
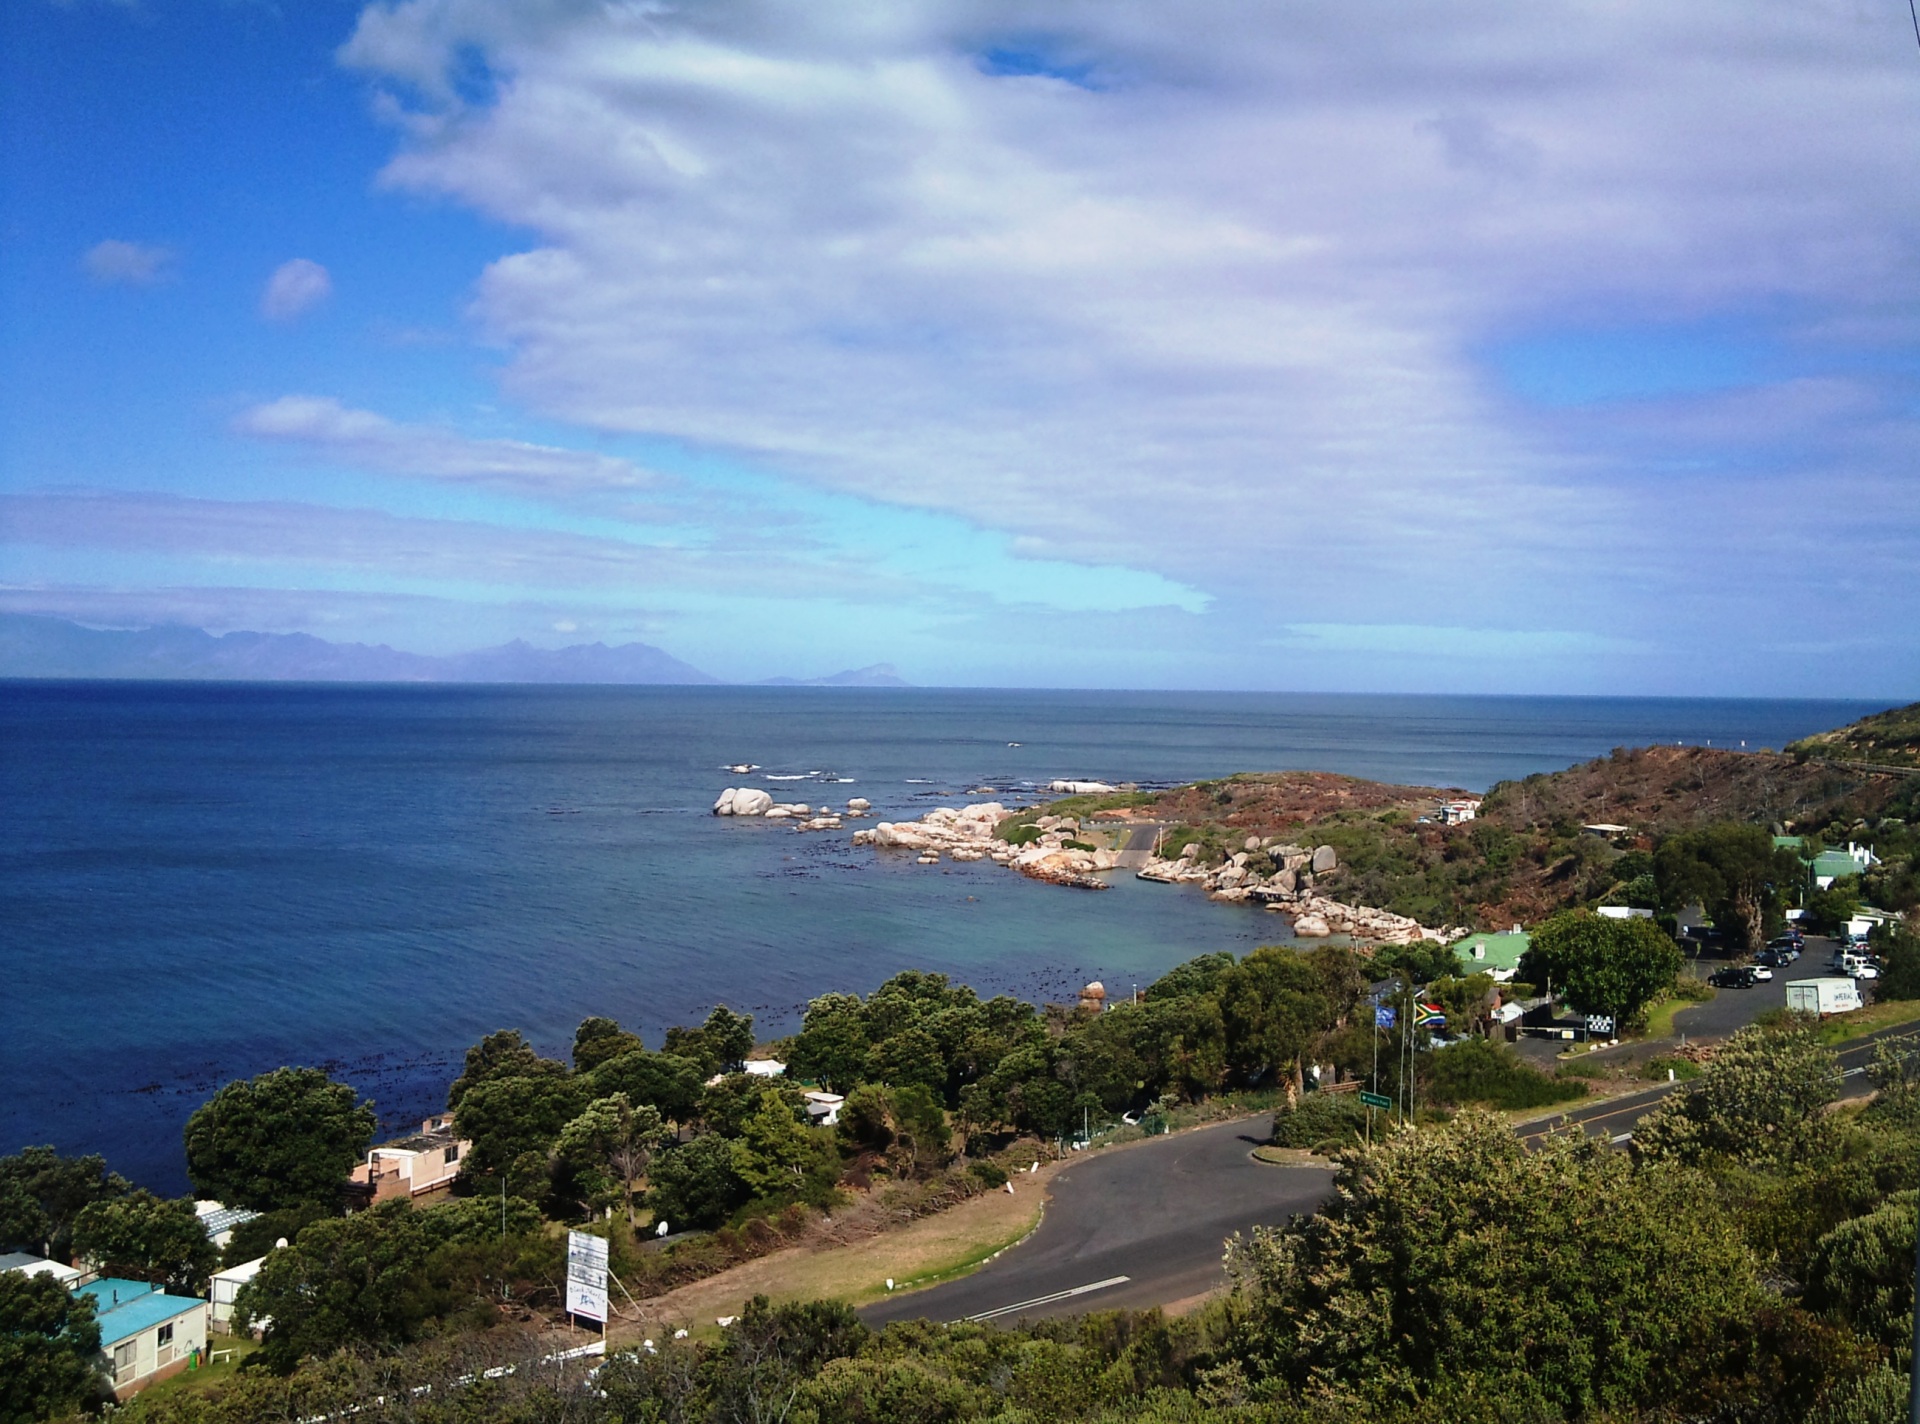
x=1374 y=1100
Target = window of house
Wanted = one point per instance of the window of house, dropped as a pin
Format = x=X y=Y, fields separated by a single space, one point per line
x=123 y=1360
x=165 y=1334
x=453 y=1152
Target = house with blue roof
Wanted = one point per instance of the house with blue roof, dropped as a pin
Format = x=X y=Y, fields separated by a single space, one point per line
x=145 y=1334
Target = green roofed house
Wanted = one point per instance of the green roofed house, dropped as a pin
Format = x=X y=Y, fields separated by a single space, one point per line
x=1832 y=865
x=1497 y=954
x=145 y=1334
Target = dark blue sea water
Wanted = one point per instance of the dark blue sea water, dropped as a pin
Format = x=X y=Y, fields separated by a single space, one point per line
x=199 y=881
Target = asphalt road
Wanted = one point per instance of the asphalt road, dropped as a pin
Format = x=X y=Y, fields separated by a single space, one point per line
x=1131 y=1226
x=1144 y=1225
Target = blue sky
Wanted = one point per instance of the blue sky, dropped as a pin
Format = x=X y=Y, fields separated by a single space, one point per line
x=1567 y=349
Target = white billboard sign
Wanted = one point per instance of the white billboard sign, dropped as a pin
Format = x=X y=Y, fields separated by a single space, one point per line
x=587 y=1276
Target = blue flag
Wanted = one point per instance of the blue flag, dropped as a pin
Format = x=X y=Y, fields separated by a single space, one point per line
x=1383 y=1017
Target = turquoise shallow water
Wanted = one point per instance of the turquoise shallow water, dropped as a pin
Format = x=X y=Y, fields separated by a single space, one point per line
x=199 y=881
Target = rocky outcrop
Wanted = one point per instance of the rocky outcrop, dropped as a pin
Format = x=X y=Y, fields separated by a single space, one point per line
x=967 y=833
x=749 y=801
x=1081 y=788
x=742 y=801
x=1280 y=876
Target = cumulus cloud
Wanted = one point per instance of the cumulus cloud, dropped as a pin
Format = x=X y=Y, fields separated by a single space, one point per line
x=130 y=264
x=362 y=437
x=1191 y=288
x=295 y=288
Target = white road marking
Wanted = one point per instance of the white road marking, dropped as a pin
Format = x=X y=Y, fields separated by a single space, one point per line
x=1050 y=1299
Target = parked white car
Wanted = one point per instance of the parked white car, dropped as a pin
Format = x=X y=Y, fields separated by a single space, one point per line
x=1761 y=972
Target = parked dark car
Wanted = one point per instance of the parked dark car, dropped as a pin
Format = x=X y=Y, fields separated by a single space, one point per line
x=1732 y=977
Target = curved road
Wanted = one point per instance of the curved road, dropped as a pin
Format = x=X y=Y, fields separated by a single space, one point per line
x=1140 y=1225
x=1144 y=1225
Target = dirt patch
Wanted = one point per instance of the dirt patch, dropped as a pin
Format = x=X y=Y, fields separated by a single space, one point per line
x=849 y=1261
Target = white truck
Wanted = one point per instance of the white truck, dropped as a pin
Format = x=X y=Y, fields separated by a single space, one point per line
x=1823 y=996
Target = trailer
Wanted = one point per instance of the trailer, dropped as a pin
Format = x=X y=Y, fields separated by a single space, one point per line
x=1823 y=996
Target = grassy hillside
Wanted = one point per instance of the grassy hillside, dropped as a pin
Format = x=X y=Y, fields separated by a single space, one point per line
x=1891 y=738
x=1526 y=856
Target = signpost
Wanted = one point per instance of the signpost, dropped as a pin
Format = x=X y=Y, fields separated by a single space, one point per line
x=1600 y=1025
x=587 y=1276
x=1376 y=1100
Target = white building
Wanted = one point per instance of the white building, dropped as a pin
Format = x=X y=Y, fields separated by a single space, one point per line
x=145 y=1334
x=1459 y=810
x=224 y=1287
x=71 y=1277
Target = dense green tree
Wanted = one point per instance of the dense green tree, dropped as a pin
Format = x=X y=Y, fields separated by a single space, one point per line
x=720 y=1045
x=832 y=1045
x=1762 y=1101
x=775 y=1152
x=507 y=1118
x=40 y=1194
x=147 y=1238
x=348 y=1281
x=669 y=1084
x=912 y=1055
x=905 y=1127
x=1862 y=1272
x=505 y=1054
x=49 y=1347
x=1197 y=976
x=1275 y=1007
x=1602 y=965
x=1421 y=962
x=1563 y=1279
x=726 y=1105
x=1828 y=910
x=696 y=1183
x=1734 y=871
x=377 y=1278
x=1899 y=951
x=287 y=1138
x=607 y=1147
x=599 y=1039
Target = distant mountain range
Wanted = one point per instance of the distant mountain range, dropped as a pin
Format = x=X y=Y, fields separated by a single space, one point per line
x=36 y=646
x=32 y=646
x=879 y=675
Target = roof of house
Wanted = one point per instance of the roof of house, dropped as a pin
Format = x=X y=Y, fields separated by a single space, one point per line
x=1501 y=950
x=243 y=1272
x=1837 y=863
x=36 y=1266
x=222 y=1218
x=140 y=1307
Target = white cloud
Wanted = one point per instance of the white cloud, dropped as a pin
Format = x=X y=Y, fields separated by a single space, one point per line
x=131 y=264
x=295 y=288
x=1207 y=300
x=370 y=440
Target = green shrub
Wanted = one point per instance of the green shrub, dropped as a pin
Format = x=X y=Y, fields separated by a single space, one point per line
x=988 y=1174
x=1020 y=835
x=1684 y=1069
x=1320 y=1119
x=1476 y=1071
x=1583 y=1068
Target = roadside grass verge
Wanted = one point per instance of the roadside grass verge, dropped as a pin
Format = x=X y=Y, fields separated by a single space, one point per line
x=1660 y=1016
x=1861 y=1022
x=924 y=1252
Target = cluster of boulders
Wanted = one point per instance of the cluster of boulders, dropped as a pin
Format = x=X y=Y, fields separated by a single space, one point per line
x=1081 y=788
x=968 y=833
x=1281 y=876
x=748 y=801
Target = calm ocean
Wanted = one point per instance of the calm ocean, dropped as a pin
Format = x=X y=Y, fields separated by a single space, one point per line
x=202 y=881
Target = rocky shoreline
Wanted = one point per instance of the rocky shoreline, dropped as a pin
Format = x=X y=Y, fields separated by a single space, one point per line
x=1280 y=876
